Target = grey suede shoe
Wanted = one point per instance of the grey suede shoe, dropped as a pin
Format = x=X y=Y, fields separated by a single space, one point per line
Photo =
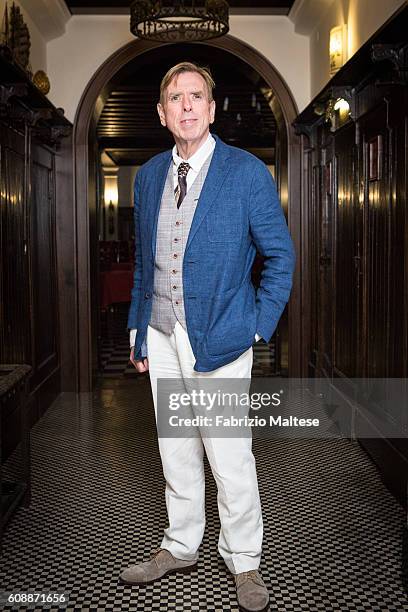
x=161 y=563
x=252 y=593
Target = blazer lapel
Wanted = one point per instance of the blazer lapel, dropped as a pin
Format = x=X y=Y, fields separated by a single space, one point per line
x=160 y=180
x=216 y=175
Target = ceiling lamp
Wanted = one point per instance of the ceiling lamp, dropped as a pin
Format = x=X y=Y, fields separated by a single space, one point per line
x=179 y=21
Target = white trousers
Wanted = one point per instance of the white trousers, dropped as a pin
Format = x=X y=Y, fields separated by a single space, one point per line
x=231 y=460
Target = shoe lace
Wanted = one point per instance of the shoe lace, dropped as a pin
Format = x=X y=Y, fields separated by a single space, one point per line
x=249 y=575
x=155 y=552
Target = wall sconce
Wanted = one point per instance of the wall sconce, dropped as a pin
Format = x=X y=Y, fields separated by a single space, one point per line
x=111 y=218
x=335 y=110
x=111 y=189
x=111 y=197
x=338 y=48
x=342 y=106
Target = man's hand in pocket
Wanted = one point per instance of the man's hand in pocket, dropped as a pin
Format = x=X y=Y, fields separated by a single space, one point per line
x=141 y=365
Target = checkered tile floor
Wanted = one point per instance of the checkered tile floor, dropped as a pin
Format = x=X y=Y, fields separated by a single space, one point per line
x=334 y=537
x=114 y=358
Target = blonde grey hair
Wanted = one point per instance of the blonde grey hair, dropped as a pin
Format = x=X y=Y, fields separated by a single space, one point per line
x=186 y=67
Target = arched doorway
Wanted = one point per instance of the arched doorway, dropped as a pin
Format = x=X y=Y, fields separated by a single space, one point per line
x=284 y=108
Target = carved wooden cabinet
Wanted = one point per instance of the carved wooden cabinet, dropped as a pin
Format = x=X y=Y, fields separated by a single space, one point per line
x=30 y=132
x=356 y=163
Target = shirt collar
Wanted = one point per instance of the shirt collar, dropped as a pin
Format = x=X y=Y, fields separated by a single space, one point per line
x=197 y=160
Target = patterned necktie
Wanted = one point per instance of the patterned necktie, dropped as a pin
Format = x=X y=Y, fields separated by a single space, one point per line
x=181 y=189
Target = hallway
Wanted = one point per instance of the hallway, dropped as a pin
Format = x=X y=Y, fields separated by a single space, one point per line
x=333 y=533
x=237 y=170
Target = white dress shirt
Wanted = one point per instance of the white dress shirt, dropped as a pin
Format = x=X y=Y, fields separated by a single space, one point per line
x=196 y=162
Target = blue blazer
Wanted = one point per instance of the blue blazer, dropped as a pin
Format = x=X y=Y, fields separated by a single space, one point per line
x=237 y=213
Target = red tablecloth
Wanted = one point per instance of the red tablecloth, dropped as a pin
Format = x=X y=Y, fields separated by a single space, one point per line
x=124 y=265
x=116 y=286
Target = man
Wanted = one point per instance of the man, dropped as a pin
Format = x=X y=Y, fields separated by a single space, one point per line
x=201 y=212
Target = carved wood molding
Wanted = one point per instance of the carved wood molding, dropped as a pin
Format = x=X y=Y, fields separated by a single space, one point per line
x=38 y=119
x=20 y=115
x=40 y=114
x=324 y=109
x=306 y=128
x=15 y=90
x=22 y=105
x=52 y=135
x=397 y=54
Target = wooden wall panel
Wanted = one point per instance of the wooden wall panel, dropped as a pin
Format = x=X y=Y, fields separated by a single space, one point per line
x=14 y=324
x=377 y=247
x=65 y=244
x=325 y=255
x=347 y=251
x=398 y=236
x=28 y=275
x=30 y=131
x=358 y=210
x=44 y=321
x=359 y=242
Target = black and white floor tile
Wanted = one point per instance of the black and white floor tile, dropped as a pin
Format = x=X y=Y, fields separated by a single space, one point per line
x=334 y=537
x=114 y=350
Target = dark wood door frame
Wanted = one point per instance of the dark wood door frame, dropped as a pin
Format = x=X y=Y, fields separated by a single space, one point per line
x=89 y=108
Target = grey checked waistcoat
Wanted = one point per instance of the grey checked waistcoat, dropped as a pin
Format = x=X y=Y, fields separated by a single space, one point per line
x=173 y=228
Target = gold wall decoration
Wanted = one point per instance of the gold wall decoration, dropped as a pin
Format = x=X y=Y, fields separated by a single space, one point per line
x=42 y=81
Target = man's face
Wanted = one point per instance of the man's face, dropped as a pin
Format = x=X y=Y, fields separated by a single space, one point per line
x=186 y=110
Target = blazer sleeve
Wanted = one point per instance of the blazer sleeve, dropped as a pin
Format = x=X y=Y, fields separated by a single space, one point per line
x=271 y=236
x=137 y=279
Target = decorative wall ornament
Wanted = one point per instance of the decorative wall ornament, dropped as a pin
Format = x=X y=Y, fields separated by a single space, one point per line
x=15 y=36
x=42 y=81
x=19 y=37
x=397 y=55
x=338 y=107
x=4 y=36
x=180 y=20
x=4 y=27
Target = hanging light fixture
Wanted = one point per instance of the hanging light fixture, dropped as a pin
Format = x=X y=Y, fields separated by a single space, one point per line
x=179 y=20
